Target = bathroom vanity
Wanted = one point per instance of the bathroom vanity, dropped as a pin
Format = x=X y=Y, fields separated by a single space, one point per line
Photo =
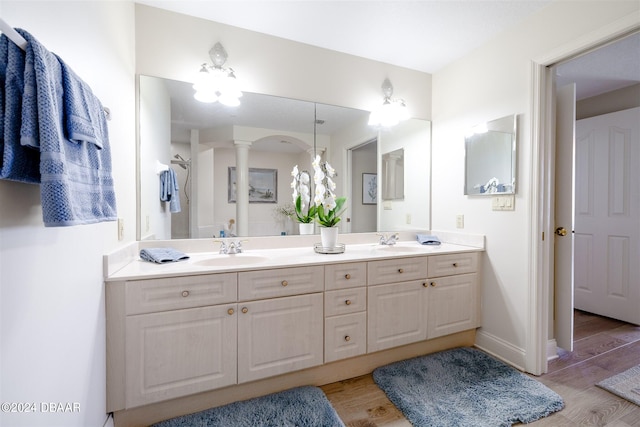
x=186 y=336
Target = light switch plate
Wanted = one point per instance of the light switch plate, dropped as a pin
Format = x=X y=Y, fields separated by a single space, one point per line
x=504 y=202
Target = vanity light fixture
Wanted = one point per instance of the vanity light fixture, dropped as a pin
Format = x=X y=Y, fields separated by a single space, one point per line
x=216 y=83
x=391 y=112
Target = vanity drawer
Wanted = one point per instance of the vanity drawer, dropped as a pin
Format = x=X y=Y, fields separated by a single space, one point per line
x=154 y=295
x=280 y=282
x=397 y=270
x=449 y=265
x=345 y=336
x=345 y=301
x=348 y=275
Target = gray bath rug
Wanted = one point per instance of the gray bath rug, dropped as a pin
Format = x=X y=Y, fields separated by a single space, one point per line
x=464 y=387
x=300 y=407
x=625 y=384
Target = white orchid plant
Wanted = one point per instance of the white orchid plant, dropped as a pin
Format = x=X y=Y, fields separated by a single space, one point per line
x=328 y=206
x=301 y=185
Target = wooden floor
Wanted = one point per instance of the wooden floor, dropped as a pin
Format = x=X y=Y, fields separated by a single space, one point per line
x=602 y=348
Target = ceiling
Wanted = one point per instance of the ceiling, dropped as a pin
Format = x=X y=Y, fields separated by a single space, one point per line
x=423 y=35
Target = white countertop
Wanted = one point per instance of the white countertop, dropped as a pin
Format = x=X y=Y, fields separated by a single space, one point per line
x=258 y=259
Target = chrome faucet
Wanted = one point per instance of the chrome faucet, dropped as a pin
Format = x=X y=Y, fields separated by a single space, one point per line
x=231 y=248
x=389 y=240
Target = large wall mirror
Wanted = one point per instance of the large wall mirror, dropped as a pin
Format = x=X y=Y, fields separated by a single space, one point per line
x=199 y=142
x=490 y=158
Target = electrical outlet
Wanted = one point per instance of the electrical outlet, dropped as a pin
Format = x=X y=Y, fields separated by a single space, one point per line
x=120 y=228
x=459 y=221
x=408 y=218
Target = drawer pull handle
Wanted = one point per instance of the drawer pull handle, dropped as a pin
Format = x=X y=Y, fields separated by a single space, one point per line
x=347 y=338
x=347 y=276
x=245 y=309
x=285 y=283
x=348 y=302
x=433 y=284
x=231 y=311
x=455 y=264
x=400 y=270
x=185 y=294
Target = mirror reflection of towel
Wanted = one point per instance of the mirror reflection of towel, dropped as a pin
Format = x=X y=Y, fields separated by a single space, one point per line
x=170 y=190
x=426 y=239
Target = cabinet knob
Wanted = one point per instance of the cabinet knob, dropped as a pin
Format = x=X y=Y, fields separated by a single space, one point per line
x=185 y=293
x=245 y=309
x=285 y=283
x=455 y=264
x=400 y=270
x=348 y=302
x=347 y=338
x=433 y=284
x=347 y=276
x=231 y=311
x=425 y=284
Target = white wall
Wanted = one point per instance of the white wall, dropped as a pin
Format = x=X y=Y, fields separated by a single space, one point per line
x=492 y=82
x=52 y=327
x=171 y=45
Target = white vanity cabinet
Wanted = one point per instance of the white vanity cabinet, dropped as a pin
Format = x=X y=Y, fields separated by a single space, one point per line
x=189 y=335
x=397 y=302
x=454 y=302
x=176 y=337
x=279 y=335
x=345 y=305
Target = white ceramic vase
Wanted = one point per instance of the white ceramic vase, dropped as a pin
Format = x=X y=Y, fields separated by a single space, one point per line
x=306 y=228
x=329 y=237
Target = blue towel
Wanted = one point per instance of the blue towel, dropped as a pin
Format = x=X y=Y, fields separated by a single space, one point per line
x=426 y=239
x=170 y=190
x=162 y=255
x=71 y=129
x=17 y=163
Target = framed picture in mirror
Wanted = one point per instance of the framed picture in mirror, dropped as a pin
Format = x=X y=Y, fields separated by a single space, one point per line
x=263 y=185
x=369 y=188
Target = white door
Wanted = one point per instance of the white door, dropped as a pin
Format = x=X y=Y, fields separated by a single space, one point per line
x=607 y=215
x=563 y=247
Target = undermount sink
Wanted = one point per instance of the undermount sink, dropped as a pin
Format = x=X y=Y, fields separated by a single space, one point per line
x=224 y=260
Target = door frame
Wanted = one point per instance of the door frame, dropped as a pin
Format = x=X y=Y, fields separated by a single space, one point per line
x=541 y=214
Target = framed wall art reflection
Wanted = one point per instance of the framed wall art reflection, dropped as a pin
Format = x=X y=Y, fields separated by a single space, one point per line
x=369 y=188
x=263 y=185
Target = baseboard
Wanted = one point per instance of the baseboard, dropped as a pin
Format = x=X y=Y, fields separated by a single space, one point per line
x=552 y=349
x=501 y=349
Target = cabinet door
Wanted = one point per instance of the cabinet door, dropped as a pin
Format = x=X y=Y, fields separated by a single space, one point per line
x=180 y=352
x=453 y=304
x=397 y=314
x=279 y=335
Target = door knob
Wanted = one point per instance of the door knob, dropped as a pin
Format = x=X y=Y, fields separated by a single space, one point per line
x=561 y=231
